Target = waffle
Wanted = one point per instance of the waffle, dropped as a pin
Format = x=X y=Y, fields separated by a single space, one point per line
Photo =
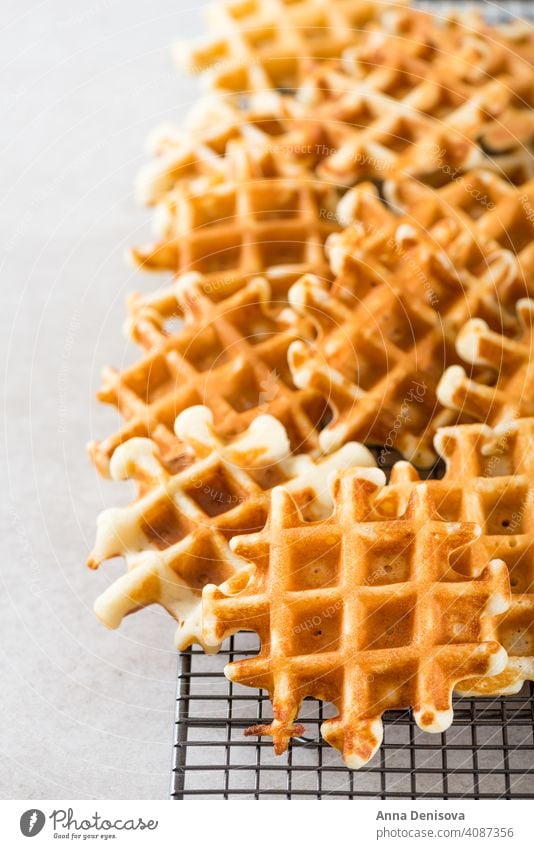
x=432 y=108
x=175 y=536
x=264 y=47
x=405 y=286
x=510 y=394
x=488 y=480
x=473 y=212
x=203 y=152
x=351 y=611
x=262 y=216
x=384 y=109
x=230 y=354
x=260 y=46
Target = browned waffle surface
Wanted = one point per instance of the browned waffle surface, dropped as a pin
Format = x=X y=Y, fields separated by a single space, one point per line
x=428 y=109
x=415 y=95
x=351 y=610
x=488 y=480
x=266 y=45
x=510 y=392
x=259 y=218
x=174 y=537
x=405 y=287
x=230 y=354
x=260 y=47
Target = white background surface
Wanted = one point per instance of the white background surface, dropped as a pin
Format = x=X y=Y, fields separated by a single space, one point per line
x=85 y=712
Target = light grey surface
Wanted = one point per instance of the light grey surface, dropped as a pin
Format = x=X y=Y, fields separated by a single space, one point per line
x=85 y=712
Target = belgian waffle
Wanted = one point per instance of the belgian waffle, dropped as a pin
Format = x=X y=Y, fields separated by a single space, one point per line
x=261 y=217
x=404 y=288
x=230 y=354
x=450 y=100
x=510 y=394
x=202 y=152
x=418 y=97
x=470 y=214
x=262 y=47
x=351 y=610
x=258 y=46
x=488 y=480
x=175 y=535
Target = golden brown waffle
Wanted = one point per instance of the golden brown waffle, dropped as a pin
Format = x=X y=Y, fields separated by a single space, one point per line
x=204 y=152
x=230 y=355
x=418 y=96
x=488 y=480
x=367 y=614
x=257 y=46
x=472 y=213
x=405 y=286
x=175 y=536
x=262 y=217
x=431 y=108
x=510 y=393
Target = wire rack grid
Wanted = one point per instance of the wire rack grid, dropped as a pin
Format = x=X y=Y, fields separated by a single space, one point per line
x=488 y=753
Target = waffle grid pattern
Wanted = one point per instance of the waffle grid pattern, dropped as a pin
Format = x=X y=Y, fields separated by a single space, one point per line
x=384 y=109
x=487 y=481
x=174 y=537
x=387 y=340
x=265 y=45
x=230 y=355
x=257 y=219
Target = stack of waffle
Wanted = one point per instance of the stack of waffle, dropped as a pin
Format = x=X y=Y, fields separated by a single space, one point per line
x=336 y=447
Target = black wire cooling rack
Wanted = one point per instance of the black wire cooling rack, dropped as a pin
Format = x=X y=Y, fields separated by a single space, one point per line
x=488 y=753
